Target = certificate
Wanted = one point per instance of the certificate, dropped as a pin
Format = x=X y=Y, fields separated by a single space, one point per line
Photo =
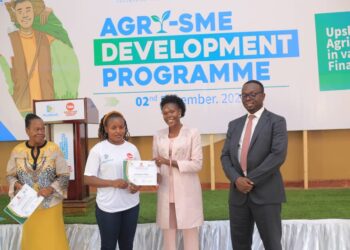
x=23 y=204
x=140 y=173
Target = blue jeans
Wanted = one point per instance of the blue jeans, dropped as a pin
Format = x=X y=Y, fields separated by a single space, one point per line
x=119 y=227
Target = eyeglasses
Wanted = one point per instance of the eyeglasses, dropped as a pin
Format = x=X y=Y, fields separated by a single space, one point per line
x=251 y=95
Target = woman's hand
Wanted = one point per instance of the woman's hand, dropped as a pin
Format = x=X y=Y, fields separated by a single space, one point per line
x=18 y=186
x=120 y=183
x=160 y=161
x=45 y=192
x=133 y=188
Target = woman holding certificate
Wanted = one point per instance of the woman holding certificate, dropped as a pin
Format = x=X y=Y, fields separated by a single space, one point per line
x=117 y=201
x=41 y=165
x=177 y=151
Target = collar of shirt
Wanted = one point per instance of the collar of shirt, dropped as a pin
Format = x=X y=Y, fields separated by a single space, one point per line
x=258 y=113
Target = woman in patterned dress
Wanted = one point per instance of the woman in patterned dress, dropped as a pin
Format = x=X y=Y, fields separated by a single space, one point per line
x=41 y=165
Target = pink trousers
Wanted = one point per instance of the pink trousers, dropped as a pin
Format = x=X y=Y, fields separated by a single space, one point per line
x=190 y=236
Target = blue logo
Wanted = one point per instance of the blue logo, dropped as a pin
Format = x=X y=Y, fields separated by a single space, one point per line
x=49 y=108
x=106 y=159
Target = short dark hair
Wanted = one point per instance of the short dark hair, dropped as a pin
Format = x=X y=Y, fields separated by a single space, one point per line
x=29 y=117
x=176 y=100
x=256 y=82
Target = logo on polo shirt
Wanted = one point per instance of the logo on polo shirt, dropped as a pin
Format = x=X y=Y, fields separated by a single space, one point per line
x=129 y=156
x=106 y=159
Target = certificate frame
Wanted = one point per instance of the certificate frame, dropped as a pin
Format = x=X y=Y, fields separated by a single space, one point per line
x=140 y=173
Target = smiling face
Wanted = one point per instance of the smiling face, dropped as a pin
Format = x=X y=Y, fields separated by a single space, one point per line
x=36 y=132
x=116 y=130
x=171 y=114
x=252 y=97
x=24 y=14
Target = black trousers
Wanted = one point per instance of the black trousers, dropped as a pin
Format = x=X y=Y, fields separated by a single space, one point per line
x=119 y=227
x=268 y=221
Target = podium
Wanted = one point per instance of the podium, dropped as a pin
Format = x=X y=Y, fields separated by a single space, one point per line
x=67 y=125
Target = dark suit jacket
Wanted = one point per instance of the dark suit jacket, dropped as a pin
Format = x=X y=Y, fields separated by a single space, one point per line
x=266 y=154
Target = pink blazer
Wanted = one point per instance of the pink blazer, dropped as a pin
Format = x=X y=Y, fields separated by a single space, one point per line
x=187 y=151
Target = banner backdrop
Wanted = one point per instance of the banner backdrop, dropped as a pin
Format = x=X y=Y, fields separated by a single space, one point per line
x=126 y=54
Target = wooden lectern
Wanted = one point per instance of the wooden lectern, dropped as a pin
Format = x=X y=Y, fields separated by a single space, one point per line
x=67 y=122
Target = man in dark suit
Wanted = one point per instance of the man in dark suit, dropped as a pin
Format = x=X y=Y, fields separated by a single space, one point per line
x=254 y=150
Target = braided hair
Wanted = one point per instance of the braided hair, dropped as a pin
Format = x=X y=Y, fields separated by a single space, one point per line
x=102 y=134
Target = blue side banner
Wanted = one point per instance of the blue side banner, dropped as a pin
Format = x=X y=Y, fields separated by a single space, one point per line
x=5 y=135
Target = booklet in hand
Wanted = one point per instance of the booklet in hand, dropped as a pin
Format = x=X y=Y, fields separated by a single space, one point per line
x=23 y=204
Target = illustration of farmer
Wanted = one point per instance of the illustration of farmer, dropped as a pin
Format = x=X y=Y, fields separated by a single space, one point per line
x=44 y=64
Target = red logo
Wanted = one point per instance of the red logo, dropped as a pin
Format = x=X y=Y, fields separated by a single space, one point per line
x=70 y=109
x=129 y=156
x=70 y=106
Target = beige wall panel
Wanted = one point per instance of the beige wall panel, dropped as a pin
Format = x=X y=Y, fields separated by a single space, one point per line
x=292 y=169
x=329 y=156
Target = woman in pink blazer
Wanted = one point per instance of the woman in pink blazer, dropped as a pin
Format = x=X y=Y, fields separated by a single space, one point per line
x=177 y=151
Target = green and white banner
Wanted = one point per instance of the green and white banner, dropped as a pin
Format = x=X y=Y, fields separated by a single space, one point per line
x=126 y=54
